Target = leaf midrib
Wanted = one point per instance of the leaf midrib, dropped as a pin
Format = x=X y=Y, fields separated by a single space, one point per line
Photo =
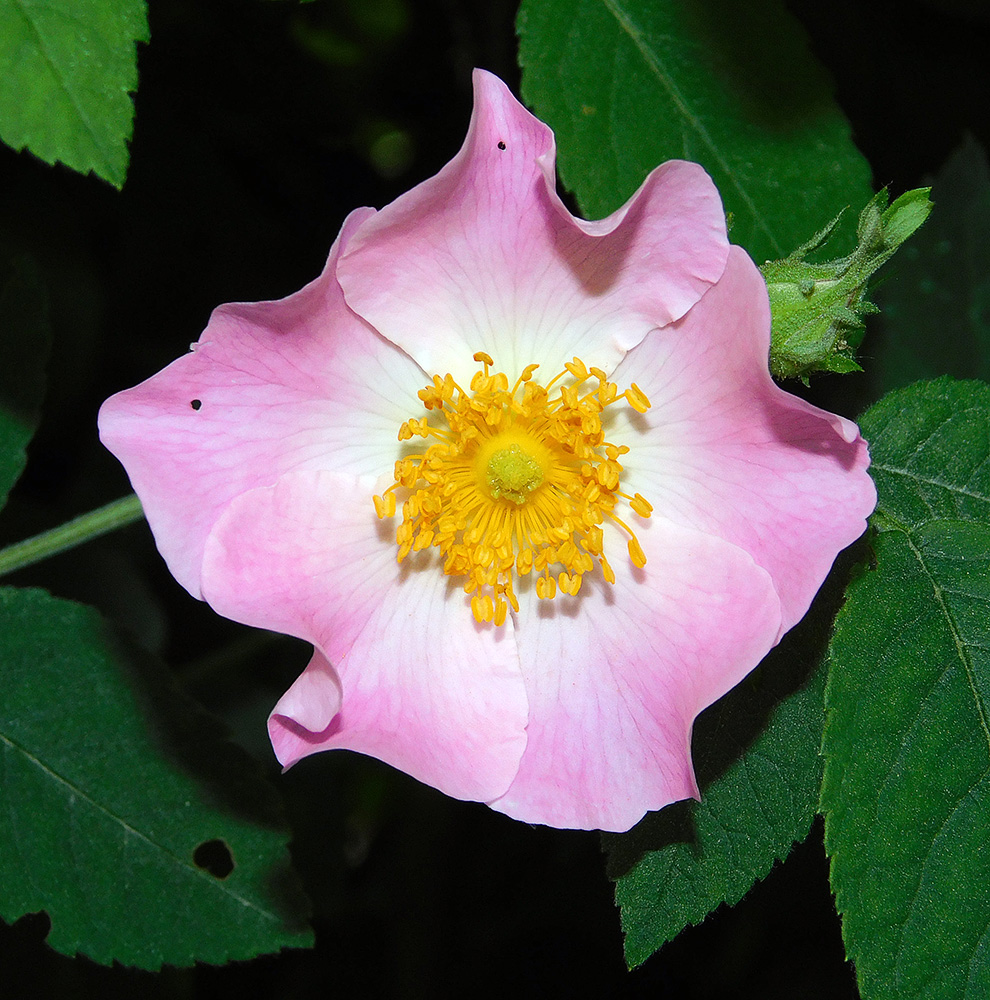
x=962 y=650
x=949 y=487
x=106 y=166
x=657 y=68
x=896 y=524
x=73 y=788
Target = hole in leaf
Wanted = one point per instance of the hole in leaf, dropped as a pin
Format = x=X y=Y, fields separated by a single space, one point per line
x=214 y=856
x=195 y=403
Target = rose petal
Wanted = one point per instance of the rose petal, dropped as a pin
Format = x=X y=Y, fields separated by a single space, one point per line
x=484 y=256
x=616 y=676
x=726 y=451
x=423 y=686
x=305 y=711
x=271 y=387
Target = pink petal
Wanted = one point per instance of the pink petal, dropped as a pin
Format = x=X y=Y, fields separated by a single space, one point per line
x=422 y=686
x=726 y=451
x=308 y=707
x=484 y=256
x=616 y=676
x=300 y=383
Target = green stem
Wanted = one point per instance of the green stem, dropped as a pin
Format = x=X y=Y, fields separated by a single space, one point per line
x=97 y=522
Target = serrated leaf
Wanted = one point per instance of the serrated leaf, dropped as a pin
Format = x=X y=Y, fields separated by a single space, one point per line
x=67 y=68
x=25 y=340
x=935 y=298
x=118 y=802
x=906 y=793
x=756 y=754
x=627 y=84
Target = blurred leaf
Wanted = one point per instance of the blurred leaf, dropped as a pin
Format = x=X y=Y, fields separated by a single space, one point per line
x=25 y=341
x=935 y=301
x=627 y=84
x=67 y=68
x=756 y=755
x=123 y=810
x=906 y=793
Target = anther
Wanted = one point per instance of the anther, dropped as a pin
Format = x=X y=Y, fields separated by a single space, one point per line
x=385 y=506
x=637 y=398
x=577 y=368
x=636 y=553
x=641 y=505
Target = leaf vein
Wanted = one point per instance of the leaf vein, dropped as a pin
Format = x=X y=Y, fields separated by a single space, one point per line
x=657 y=68
x=56 y=72
x=949 y=487
x=74 y=789
x=961 y=647
x=899 y=950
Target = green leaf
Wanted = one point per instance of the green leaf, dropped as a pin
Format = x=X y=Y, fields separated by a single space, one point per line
x=756 y=755
x=906 y=793
x=627 y=84
x=122 y=809
x=935 y=299
x=67 y=69
x=24 y=345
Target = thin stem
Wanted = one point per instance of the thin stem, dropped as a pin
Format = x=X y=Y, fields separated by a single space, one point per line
x=81 y=529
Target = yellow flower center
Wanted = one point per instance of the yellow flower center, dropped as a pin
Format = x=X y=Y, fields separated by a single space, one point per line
x=513 y=473
x=519 y=481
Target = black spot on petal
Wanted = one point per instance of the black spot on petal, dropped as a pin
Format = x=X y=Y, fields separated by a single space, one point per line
x=196 y=403
x=214 y=856
x=501 y=145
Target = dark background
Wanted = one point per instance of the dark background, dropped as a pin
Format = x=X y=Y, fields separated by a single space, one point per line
x=259 y=126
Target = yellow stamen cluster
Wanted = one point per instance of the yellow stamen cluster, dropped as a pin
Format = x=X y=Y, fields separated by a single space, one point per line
x=519 y=481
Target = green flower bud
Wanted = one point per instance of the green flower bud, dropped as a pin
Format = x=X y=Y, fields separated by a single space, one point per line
x=818 y=308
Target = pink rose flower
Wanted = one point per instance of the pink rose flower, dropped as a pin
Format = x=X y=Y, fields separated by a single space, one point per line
x=375 y=464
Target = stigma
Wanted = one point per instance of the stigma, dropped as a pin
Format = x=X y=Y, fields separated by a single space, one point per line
x=515 y=482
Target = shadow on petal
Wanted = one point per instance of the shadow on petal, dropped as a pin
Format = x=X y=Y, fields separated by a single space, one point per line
x=307 y=735
x=803 y=430
x=726 y=731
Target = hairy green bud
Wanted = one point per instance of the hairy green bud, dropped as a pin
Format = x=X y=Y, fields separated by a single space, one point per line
x=818 y=308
